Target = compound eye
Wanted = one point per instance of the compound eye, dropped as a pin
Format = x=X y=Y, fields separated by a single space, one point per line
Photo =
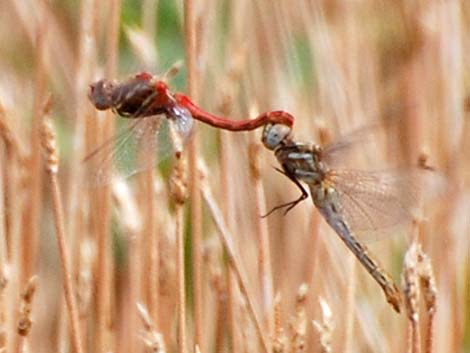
x=100 y=94
x=273 y=135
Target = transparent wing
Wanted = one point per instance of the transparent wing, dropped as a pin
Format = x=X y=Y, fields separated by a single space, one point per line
x=182 y=125
x=182 y=120
x=374 y=203
x=137 y=146
x=336 y=153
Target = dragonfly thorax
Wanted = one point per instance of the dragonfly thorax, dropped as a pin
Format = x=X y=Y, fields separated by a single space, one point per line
x=138 y=97
x=301 y=161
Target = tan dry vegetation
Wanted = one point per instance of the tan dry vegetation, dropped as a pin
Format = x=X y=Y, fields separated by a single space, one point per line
x=182 y=262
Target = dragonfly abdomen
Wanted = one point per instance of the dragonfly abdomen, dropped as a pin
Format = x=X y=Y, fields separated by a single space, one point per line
x=325 y=203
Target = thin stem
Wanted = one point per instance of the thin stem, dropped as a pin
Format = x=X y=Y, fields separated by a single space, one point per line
x=178 y=192
x=33 y=206
x=349 y=304
x=235 y=262
x=150 y=233
x=66 y=269
x=429 y=340
x=411 y=296
x=196 y=204
x=3 y=213
x=105 y=263
x=181 y=304
x=154 y=250
x=265 y=272
x=234 y=315
x=3 y=264
x=227 y=181
x=76 y=196
x=149 y=18
x=48 y=142
x=135 y=284
x=14 y=203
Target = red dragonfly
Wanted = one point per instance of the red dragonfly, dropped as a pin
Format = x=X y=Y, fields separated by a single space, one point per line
x=145 y=100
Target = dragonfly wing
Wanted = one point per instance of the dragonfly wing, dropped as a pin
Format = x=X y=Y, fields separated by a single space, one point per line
x=130 y=151
x=376 y=202
x=339 y=151
x=182 y=120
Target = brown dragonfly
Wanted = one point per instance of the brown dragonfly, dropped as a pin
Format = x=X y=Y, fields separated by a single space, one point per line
x=351 y=201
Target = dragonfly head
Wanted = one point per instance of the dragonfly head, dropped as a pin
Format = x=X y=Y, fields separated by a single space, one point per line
x=275 y=134
x=101 y=94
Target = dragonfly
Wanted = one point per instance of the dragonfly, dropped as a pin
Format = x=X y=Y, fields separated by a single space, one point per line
x=351 y=201
x=158 y=119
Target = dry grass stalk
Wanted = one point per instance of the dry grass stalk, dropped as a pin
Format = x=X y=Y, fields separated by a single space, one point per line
x=411 y=294
x=48 y=143
x=34 y=162
x=299 y=321
x=419 y=282
x=126 y=207
x=235 y=261
x=150 y=235
x=86 y=261
x=149 y=18
x=265 y=266
x=234 y=312
x=143 y=46
x=181 y=288
x=86 y=61
x=178 y=185
x=4 y=133
x=3 y=326
x=279 y=341
x=131 y=220
x=227 y=171
x=152 y=339
x=350 y=304
x=13 y=193
x=167 y=273
x=14 y=198
x=11 y=141
x=246 y=333
x=429 y=291
x=105 y=291
x=148 y=256
x=179 y=193
x=25 y=321
x=190 y=31
x=325 y=327
x=228 y=209
x=296 y=341
x=219 y=285
x=9 y=220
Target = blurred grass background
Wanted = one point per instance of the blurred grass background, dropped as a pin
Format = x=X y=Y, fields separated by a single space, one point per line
x=335 y=65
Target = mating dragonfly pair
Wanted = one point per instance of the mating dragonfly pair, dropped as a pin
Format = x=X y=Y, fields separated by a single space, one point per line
x=350 y=201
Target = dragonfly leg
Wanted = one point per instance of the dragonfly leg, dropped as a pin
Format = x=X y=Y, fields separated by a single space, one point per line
x=289 y=205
